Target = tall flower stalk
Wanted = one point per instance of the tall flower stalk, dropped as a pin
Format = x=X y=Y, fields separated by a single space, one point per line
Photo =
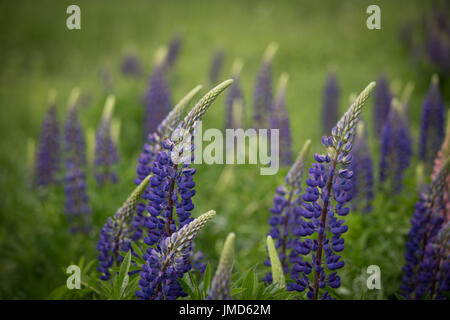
x=234 y=102
x=75 y=186
x=216 y=65
x=324 y=202
x=330 y=109
x=381 y=104
x=105 y=149
x=47 y=160
x=423 y=261
x=262 y=93
x=279 y=119
x=432 y=125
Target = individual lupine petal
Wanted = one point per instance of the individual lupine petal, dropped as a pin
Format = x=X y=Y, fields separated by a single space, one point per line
x=216 y=66
x=105 y=149
x=234 y=108
x=167 y=263
x=279 y=119
x=382 y=103
x=221 y=285
x=48 y=151
x=432 y=124
x=158 y=97
x=262 y=93
x=330 y=109
x=116 y=235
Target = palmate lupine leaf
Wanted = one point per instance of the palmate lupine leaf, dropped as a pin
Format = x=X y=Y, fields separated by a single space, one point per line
x=277 y=271
x=221 y=285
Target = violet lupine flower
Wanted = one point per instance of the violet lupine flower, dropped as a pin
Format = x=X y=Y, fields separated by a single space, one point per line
x=285 y=212
x=131 y=66
x=221 y=284
x=396 y=149
x=262 y=93
x=76 y=202
x=330 y=109
x=173 y=51
x=105 y=149
x=421 y=270
x=279 y=119
x=324 y=202
x=157 y=100
x=168 y=261
x=432 y=124
x=362 y=168
x=381 y=104
x=234 y=118
x=216 y=66
x=48 y=153
x=437 y=35
x=117 y=233
x=441 y=281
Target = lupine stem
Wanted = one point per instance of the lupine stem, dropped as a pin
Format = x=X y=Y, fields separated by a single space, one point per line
x=170 y=203
x=285 y=226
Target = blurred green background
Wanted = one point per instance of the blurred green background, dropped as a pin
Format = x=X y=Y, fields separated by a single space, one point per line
x=38 y=53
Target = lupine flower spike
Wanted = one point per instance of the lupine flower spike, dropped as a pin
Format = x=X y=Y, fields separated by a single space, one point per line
x=216 y=66
x=158 y=96
x=381 y=104
x=424 y=271
x=330 y=109
x=48 y=153
x=173 y=52
x=131 y=66
x=117 y=233
x=31 y=149
x=285 y=212
x=221 y=285
x=105 y=149
x=76 y=202
x=362 y=168
x=262 y=94
x=234 y=108
x=328 y=190
x=432 y=124
x=167 y=262
x=279 y=119
x=396 y=148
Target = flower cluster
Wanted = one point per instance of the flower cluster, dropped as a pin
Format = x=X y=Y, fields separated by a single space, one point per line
x=105 y=149
x=216 y=66
x=262 y=92
x=330 y=109
x=117 y=233
x=422 y=270
x=279 y=119
x=48 y=152
x=362 y=168
x=324 y=202
x=382 y=104
x=221 y=285
x=168 y=261
x=396 y=148
x=432 y=124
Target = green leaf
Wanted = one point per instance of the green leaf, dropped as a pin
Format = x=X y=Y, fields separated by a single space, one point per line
x=236 y=291
x=249 y=284
x=123 y=274
x=206 y=280
x=277 y=270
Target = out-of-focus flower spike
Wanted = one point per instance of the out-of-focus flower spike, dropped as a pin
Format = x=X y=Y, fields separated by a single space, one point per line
x=198 y=111
x=295 y=174
x=270 y=52
x=216 y=65
x=221 y=285
x=382 y=103
x=234 y=102
x=420 y=178
x=330 y=108
x=277 y=270
x=115 y=130
x=173 y=51
x=31 y=149
x=90 y=146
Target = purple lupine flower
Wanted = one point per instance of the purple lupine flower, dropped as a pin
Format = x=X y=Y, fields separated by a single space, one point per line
x=432 y=124
x=117 y=233
x=330 y=109
x=441 y=281
x=324 y=202
x=48 y=153
x=76 y=202
x=173 y=51
x=216 y=66
x=235 y=118
x=105 y=149
x=421 y=271
x=131 y=66
x=168 y=261
x=285 y=212
x=279 y=119
x=381 y=104
x=262 y=92
x=396 y=149
x=437 y=36
x=157 y=100
x=362 y=168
